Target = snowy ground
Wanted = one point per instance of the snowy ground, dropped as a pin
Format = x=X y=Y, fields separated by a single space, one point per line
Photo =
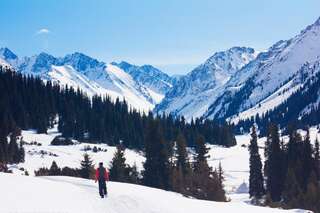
x=75 y=195
x=66 y=155
x=234 y=161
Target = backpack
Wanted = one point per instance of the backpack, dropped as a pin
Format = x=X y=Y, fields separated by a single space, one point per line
x=102 y=172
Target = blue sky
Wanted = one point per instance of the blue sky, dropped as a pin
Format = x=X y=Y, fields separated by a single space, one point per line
x=174 y=35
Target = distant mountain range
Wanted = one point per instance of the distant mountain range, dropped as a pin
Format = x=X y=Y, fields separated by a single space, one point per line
x=239 y=83
x=141 y=86
x=235 y=84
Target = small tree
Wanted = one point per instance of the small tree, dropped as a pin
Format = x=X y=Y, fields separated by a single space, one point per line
x=54 y=169
x=118 y=168
x=87 y=167
x=134 y=174
x=220 y=173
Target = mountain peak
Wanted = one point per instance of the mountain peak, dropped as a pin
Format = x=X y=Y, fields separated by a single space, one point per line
x=7 y=54
x=232 y=59
x=80 y=61
x=44 y=55
x=242 y=49
x=42 y=62
x=123 y=65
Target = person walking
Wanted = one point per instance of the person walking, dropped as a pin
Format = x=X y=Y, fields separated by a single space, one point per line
x=102 y=175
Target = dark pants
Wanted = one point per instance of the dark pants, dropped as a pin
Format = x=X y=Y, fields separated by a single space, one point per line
x=102 y=188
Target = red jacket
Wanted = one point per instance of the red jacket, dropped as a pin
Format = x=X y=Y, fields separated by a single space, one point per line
x=106 y=175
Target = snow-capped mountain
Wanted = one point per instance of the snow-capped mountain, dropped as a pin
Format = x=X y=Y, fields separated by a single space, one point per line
x=149 y=76
x=260 y=80
x=94 y=77
x=192 y=94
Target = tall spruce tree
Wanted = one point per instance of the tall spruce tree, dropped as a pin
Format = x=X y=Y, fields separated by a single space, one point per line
x=206 y=183
x=182 y=154
x=256 y=185
x=292 y=190
x=201 y=152
x=181 y=170
x=156 y=167
x=274 y=164
x=307 y=160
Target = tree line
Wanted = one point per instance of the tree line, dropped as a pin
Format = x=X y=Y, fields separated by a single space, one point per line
x=291 y=173
x=29 y=103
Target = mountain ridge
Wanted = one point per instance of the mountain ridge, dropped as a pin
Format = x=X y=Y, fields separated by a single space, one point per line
x=193 y=93
x=90 y=75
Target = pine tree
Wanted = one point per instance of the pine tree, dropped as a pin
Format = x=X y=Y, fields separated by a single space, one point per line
x=220 y=173
x=206 y=184
x=87 y=167
x=292 y=190
x=156 y=167
x=306 y=161
x=182 y=155
x=256 y=185
x=133 y=174
x=54 y=169
x=118 y=168
x=201 y=153
x=310 y=199
x=180 y=169
x=275 y=164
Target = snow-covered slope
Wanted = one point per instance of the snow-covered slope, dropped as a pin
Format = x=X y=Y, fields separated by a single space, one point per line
x=263 y=77
x=75 y=195
x=298 y=84
x=93 y=77
x=43 y=155
x=194 y=93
